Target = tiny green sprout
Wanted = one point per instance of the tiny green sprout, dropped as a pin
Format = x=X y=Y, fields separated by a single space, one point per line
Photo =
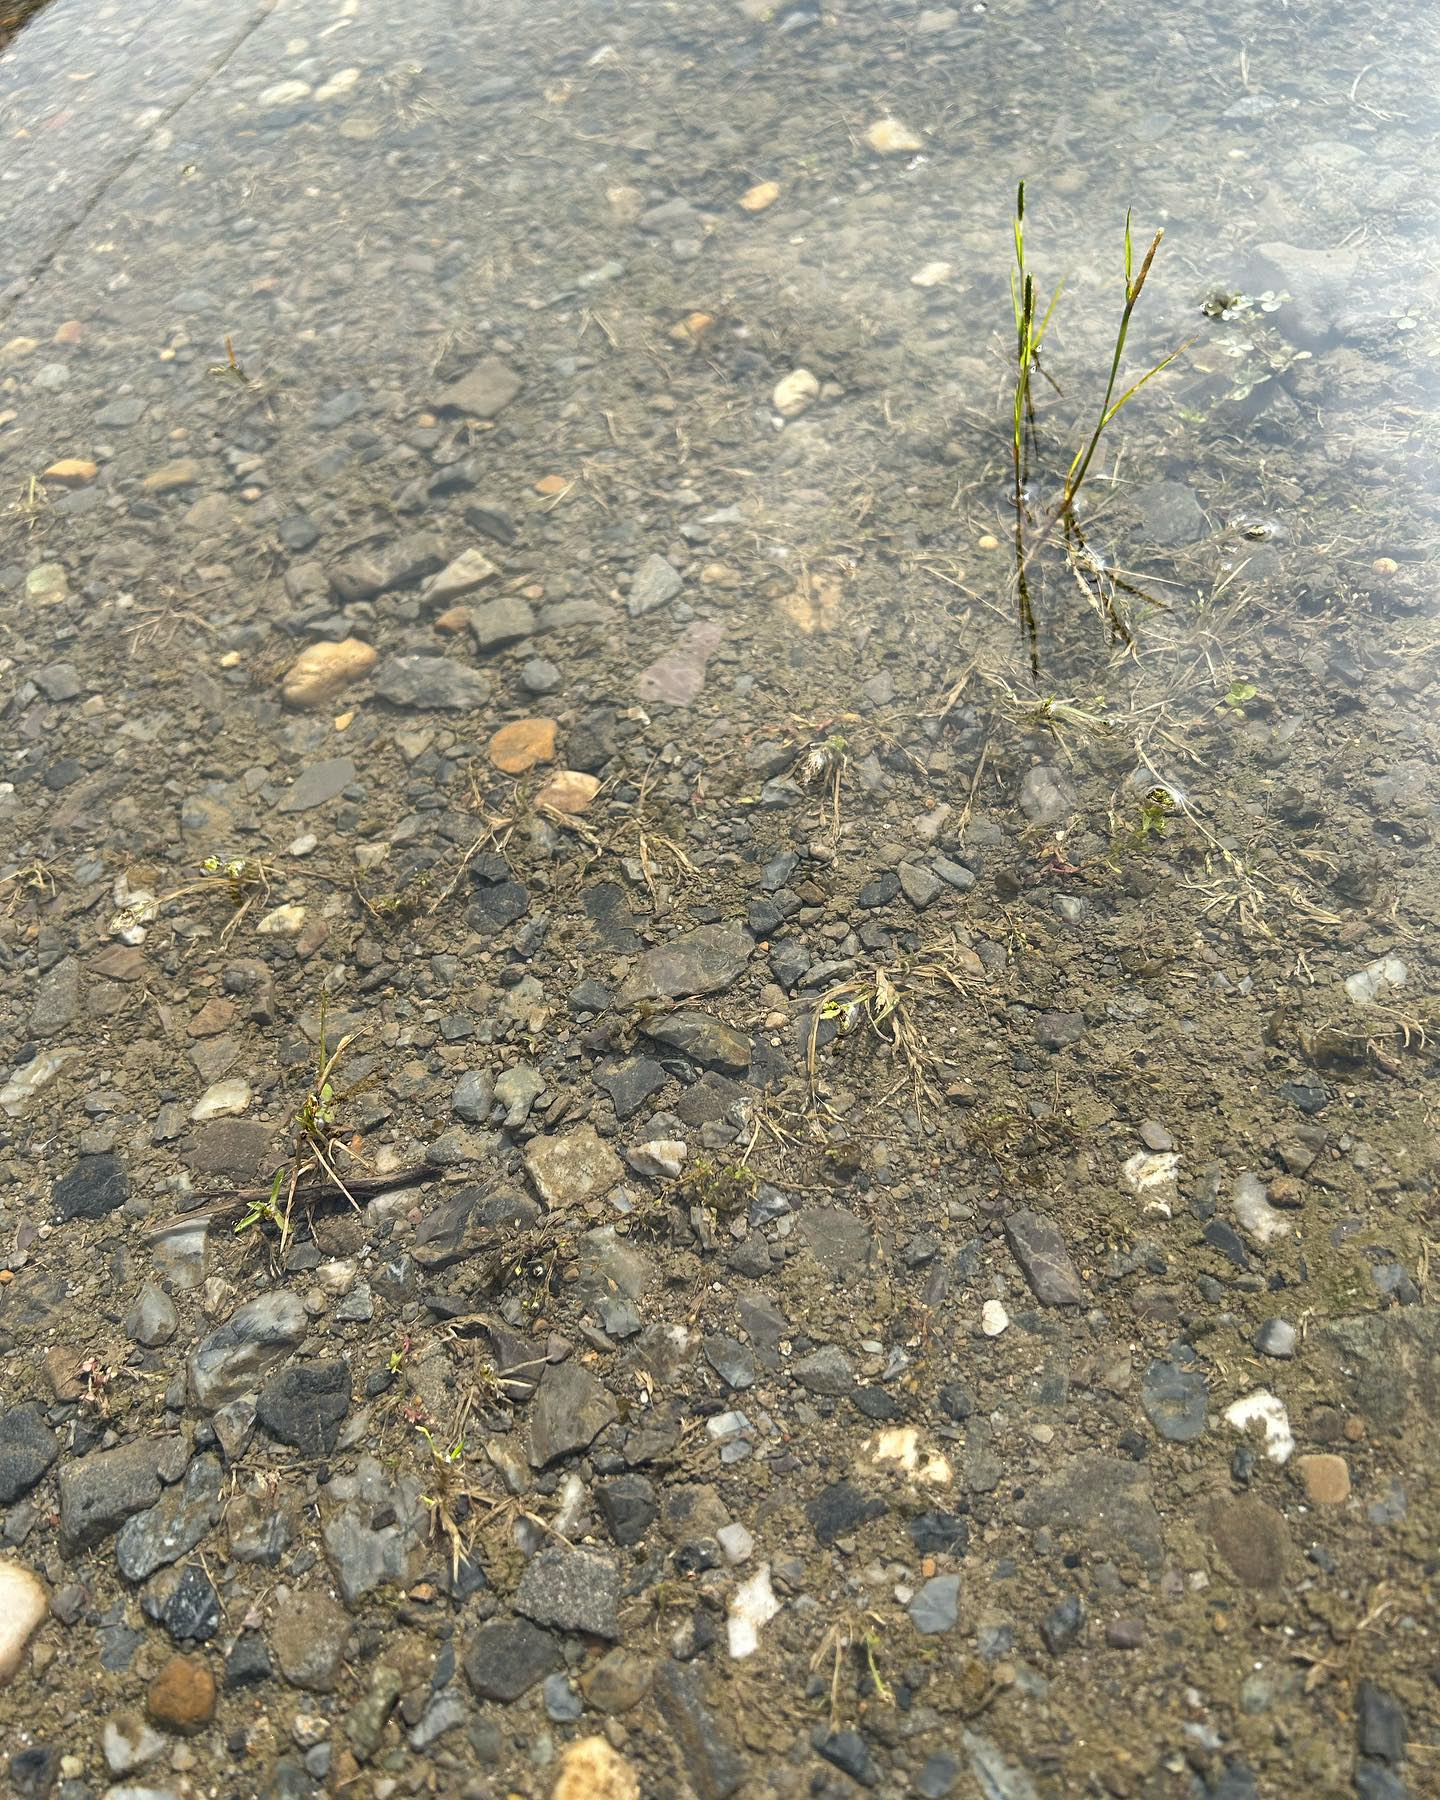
x=1155 y=811
x=265 y=1210
x=1238 y=696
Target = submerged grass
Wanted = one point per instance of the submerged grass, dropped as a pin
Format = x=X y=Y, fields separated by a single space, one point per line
x=1101 y=585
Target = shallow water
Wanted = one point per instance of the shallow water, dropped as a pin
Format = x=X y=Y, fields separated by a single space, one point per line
x=248 y=256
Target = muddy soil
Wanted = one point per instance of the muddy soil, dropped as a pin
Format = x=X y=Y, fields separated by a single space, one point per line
x=645 y=1150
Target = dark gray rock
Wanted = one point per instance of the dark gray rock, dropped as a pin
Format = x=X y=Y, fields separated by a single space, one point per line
x=655 y=582
x=304 y=1406
x=1062 y=1625
x=100 y=1491
x=319 y=784
x=880 y=890
x=236 y=1355
x=715 y=1766
x=825 y=1371
x=936 y=1607
x=939 y=1533
x=849 y=1752
x=192 y=1610
x=631 y=1083
x=937 y=1776
x=431 y=681
x=571 y=1590
x=473 y=1096
x=570 y=1409
x=401 y=564
x=1175 y=1400
x=840 y=1509
x=505 y=1660
x=27 y=1448
x=731 y=1360
x=180 y=1518
x=1040 y=1251
x=702 y=961
x=497 y=623
x=628 y=1507
x=704 y=1039
x=1380 y=1725
x=93 y=1189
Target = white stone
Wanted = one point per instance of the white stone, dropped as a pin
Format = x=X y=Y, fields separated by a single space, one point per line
x=129 y=1743
x=23 y=1604
x=28 y=1080
x=736 y=1542
x=661 y=1156
x=1254 y=1214
x=222 y=1100
x=284 y=921
x=1377 y=982
x=934 y=274
x=754 y=1604
x=339 y=83
x=1153 y=1177
x=1264 y=1408
x=901 y=1444
x=284 y=93
x=470 y=570
x=891 y=138
x=993 y=1318
x=794 y=392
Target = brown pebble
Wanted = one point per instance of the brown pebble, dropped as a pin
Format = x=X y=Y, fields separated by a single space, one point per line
x=1326 y=1479
x=1354 y=1429
x=1125 y=1634
x=182 y=1696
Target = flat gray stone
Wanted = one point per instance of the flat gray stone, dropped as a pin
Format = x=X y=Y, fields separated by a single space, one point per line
x=1105 y=1500
x=1040 y=1251
x=702 y=961
x=571 y=1590
x=704 y=1039
x=574 y=1168
x=570 y=1410
x=100 y=1491
x=501 y=622
x=936 y=1607
x=488 y=389
x=163 y=1533
x=1175 y=1401
x=238 y=1354
x=437 y=681
x=655 y=582
x=321 y=782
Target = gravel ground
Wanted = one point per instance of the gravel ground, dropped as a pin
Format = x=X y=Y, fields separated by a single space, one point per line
x=640 y=1152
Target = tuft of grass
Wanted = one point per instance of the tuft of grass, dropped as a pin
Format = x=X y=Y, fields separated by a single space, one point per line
x=884 y=1001
x=1100 y=584
x=319 y=1144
